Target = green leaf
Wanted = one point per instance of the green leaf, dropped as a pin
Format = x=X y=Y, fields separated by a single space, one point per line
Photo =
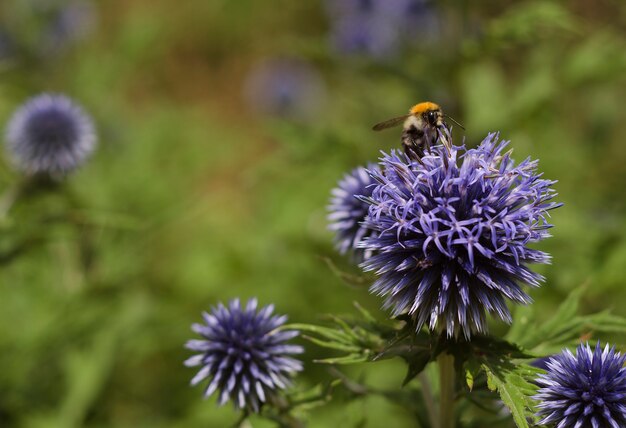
x=513 y=385
x=529 y=336
x=563 y=328
x=416 y=364
x=366 y=340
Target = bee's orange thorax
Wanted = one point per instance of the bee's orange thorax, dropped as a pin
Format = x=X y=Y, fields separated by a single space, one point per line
x=423 y=107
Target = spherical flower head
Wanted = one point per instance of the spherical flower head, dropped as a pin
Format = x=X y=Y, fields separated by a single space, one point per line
x=50 y=134
x=288 y=88
x=451 y=234
x=371 y=36
x=348 y=210
x=378 y=28
x=70 y=23
x=584 y=390
x=243 y=354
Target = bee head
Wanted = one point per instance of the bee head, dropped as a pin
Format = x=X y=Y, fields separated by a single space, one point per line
x=430 y=112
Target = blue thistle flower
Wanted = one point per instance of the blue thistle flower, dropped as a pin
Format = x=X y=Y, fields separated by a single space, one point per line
x=369 y=35
x=50 y=134
x=584 y=390
x=243 y=354
x=286 y=88
x=379 y=27
x=70 y=23
x=347 y=211
x=451 y=234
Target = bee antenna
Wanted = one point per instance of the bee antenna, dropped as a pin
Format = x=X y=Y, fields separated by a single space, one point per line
x=457 y=123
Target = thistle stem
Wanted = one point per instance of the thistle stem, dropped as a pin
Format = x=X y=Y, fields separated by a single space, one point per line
x=8 y=199
x=431 y=408
x=446 y=395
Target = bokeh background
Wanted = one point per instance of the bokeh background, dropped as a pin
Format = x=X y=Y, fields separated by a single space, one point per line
x=223 y=126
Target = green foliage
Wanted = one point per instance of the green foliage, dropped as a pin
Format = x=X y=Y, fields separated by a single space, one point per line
x=566 y=327
x=366 y=339
x=513 y=383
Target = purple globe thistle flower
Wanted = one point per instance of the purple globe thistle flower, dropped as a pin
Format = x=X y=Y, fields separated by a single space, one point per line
x=378 y=27
x=7 y=45
x=50 y=134
x=347 y=211
x=451 y=234
x=70 y=23
x=285 y=87
x=584 y=390
x=371 y=35
x=243 y=354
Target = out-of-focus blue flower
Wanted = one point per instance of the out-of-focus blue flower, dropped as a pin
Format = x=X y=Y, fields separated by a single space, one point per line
x=243 y=354
x=284 y=87
x=347 y=211
x=370 y=36
x=451 y=234
x=69 y=24
x=50 y=134
x=7 y=45
x=378 y=28
x=584 y=390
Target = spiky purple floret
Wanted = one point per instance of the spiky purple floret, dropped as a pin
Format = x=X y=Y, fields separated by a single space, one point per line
x=50 y=134
x=451 y=234
x=347 y=211
x=243 y=354
x=584 y=390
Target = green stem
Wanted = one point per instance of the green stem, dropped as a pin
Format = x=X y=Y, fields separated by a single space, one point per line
x=428 y=399
x=446 y=395
x=8 y=199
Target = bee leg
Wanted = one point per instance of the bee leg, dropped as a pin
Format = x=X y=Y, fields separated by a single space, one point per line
x=442 y=136
x=427 y=145
x=412 y=140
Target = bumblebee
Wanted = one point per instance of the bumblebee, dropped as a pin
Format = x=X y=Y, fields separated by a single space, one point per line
x=422 y=127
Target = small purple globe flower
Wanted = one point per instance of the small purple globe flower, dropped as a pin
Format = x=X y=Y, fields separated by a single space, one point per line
x=287 y=88
x=451 y=234
x=243 y=354
x=50 y=134
x=378 y=28
x=584 y=390
x=347 y=211
x=69 y=24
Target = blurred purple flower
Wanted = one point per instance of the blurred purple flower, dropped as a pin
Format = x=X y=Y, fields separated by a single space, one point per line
x=50 y=134
x=7 y=45
x=452 y=234
x=378 y=28
x=67 y=25
x=584 y=390
x=243 y=354
x=347 y=211
x=371 y=36
x=284 y=87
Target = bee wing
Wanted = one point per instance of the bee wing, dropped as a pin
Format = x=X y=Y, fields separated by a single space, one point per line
x=390 y=123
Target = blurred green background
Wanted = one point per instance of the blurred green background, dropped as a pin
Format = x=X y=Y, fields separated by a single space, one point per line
x=223 y=126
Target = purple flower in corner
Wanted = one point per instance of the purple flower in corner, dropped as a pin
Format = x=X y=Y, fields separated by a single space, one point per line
x=584 y=390
x=243 y=354
x=347 y=211
x=452 y=233
x=50 y=134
